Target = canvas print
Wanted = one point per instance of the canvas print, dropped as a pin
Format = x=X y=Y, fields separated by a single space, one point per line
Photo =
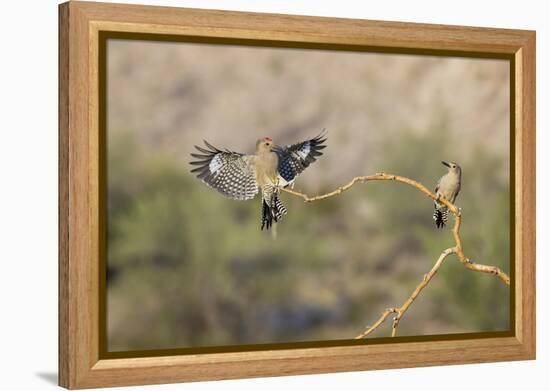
x=281 y=195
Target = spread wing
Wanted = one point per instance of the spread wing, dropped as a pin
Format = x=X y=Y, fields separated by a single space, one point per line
x=228 y=172
x=293 y=159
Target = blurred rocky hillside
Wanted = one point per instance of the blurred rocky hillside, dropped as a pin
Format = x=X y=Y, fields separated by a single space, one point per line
x=173 y=95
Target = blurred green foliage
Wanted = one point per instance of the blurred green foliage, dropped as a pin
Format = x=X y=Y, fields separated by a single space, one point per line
x=187 y=267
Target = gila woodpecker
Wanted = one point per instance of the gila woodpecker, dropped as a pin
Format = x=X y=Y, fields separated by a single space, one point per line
x=240 y=177
x=448 y=186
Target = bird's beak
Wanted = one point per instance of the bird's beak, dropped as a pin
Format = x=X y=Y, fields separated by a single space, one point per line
x=446 y=164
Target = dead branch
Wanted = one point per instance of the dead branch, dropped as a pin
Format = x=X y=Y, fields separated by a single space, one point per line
x=457 y=249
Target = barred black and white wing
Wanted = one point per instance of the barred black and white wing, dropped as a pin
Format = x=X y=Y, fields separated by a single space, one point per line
x=293 y=159
x=228 y=172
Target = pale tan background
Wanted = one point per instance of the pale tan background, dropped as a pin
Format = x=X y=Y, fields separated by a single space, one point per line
x=190 y=268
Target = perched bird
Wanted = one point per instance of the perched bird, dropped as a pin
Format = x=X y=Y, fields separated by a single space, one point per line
x=448 y=186
x=240 y=177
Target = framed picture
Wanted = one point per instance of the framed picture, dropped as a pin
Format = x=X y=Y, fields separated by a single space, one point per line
x=247 y=195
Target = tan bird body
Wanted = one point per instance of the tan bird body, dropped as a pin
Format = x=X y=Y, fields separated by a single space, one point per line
x=448 y=186
x=265 y=163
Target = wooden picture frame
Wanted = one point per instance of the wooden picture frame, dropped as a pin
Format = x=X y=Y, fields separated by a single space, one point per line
x=81 y=363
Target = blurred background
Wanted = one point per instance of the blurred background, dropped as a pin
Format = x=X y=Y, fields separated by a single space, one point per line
x=189 y=268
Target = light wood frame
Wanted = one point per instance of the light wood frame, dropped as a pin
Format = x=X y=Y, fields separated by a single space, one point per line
x=80 y=23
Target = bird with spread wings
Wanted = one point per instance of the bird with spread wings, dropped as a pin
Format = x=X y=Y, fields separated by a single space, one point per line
x=270 y=168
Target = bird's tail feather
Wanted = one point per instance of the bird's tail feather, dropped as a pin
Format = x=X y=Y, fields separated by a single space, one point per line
x=278 y=208
x=440 y=216
x=272 y=211
x=267 y=218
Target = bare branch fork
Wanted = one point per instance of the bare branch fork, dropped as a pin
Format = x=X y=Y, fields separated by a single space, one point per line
x=457 y=249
